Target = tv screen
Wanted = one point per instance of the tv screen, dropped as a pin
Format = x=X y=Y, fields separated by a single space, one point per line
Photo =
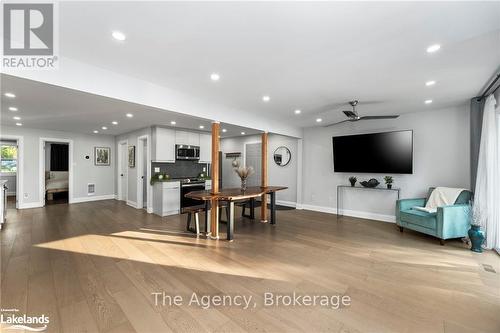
x=388 y=152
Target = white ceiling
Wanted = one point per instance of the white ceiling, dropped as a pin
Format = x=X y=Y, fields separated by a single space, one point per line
x=50 y=107
x=311 y=56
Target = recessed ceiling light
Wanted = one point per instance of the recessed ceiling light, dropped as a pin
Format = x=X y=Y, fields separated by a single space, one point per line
x=173 y=122
x=129 y=115
x=430 y=83
x=297 y=111
x=96 y=132
x=118 y=35
x=433 y=48
x=19 y=124
x=224 y=130
x=202 y=127
x=104 y=128
x=242 y=133
x=318 y=120
x=9 y=95
x=266 y=98
x=428 y=101
x=13 y=108
x=16 y=118
x=215 y=77
x=114 y=122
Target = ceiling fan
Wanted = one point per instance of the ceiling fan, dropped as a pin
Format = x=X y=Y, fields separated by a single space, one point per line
x=353 y=115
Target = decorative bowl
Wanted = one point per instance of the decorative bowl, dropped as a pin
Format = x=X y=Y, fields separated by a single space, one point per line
x=370 y=183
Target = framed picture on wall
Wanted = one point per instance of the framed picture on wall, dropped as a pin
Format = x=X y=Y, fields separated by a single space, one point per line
x=102 y=156
x=131 y=156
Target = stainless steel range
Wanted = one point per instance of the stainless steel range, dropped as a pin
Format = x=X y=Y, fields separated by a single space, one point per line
x=190 y=185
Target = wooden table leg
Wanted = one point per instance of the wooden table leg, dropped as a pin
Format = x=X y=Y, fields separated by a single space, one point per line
x=273 y=207
x=230 y=223
x=252 y=208
x=207 y=218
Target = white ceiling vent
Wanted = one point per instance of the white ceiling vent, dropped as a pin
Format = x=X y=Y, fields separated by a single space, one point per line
x=90 y=189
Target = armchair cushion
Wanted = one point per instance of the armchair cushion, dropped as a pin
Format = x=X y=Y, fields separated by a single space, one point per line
x=423 y=219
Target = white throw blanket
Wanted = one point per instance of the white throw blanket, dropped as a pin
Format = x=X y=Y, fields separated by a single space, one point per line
x=440 y=196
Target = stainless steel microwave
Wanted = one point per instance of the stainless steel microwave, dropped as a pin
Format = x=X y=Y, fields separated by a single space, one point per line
x=187 y=152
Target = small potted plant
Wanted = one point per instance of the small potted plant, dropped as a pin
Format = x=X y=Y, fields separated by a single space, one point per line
x=353 y=180
x=388 y=181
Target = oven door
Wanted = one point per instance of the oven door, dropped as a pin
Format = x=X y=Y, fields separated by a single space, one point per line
x=185 y=189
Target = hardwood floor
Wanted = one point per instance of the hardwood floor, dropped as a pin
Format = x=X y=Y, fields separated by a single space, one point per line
x=93 y=267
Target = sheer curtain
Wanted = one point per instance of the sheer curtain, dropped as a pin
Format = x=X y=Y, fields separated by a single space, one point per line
x=487 y=192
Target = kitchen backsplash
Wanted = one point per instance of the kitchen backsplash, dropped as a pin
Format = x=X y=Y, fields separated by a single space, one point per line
x=180 y=169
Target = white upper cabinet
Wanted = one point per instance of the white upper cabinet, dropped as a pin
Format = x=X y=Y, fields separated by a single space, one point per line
x=163 y=145
x=193 y=139
x=187 y=138
x=181 y=138
x=205 y=148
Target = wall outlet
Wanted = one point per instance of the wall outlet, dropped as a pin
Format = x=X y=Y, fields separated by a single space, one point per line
x=157 y=169
x=25 y=196
x=204 y=169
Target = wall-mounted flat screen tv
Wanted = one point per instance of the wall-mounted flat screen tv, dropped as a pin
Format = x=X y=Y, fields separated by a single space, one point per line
x=387 y=152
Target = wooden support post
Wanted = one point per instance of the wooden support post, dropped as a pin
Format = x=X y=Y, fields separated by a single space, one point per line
x=263 y=207
x=214 y=213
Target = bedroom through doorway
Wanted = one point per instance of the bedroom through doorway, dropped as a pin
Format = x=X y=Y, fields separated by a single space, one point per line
x=56 y=172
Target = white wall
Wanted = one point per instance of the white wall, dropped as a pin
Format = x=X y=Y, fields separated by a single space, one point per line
x=132 y=172
x=286 y=175
x=84 y=171
x=441 y=157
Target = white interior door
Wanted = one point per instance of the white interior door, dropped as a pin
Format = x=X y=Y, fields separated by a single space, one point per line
x=123 y=165
x=144 y=173
x=253 y=159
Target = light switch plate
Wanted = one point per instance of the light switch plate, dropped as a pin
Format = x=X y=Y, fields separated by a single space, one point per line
x=157 y=169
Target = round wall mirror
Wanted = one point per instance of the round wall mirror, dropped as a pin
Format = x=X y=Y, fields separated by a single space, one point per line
x=282 y=156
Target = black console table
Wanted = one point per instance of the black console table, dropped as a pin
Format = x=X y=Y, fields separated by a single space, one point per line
x=397 y=190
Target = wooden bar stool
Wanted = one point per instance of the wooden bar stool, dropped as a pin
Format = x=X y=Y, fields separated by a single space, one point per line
x=250 y=204
x=195 y=210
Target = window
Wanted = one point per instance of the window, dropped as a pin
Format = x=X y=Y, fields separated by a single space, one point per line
x=8 y=158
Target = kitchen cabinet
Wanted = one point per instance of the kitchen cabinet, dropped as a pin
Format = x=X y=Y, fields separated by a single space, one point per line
x=205 y=148
x=163 y=148
x=187 y=138
x=167 y=198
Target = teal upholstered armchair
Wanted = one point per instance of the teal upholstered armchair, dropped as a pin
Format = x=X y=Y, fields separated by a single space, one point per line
x=448 y=222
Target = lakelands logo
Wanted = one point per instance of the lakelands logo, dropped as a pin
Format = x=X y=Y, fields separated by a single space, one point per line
x=15 y=321
x=29 y=36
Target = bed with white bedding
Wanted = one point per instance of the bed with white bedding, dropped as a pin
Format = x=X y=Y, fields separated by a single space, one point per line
x=55 y=182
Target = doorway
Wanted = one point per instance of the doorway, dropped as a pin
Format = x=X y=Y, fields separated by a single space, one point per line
x=56 y=171
x=12 y=170
x=252 y=157
x=122 y=170
x=143 y=173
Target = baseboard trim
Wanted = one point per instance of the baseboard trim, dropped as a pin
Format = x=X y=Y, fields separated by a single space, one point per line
x=286 y=203
x=132 y=203
x=352 y=213
x=92 y=198
x=30 y=205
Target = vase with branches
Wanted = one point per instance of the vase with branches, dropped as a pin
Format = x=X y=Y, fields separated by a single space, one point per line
x=243 y=172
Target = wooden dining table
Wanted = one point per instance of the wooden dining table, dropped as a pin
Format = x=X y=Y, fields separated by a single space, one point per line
x=232 y=195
